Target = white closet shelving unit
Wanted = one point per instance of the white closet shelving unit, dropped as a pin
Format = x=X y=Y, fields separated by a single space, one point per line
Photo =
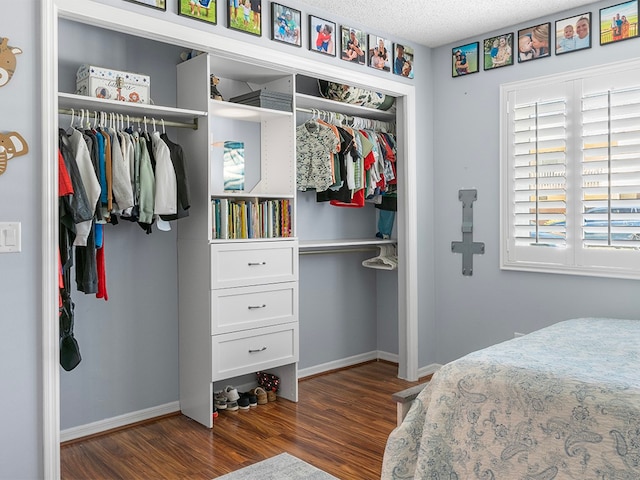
x=238 y=296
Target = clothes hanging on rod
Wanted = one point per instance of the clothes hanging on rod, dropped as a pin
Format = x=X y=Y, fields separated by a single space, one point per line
x=344 y=162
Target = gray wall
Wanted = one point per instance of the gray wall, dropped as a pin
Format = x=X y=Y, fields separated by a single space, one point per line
x=20 y=372
x=474 y=312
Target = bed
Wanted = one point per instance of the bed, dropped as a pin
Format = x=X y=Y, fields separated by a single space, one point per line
x=559 y=403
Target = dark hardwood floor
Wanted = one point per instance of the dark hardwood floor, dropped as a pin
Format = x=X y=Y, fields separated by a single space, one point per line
x=340 y=424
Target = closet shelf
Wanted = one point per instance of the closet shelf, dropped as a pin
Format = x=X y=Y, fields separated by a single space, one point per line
x=331 y=245
x=169 y=114
x=304 y=101
x=239 y=111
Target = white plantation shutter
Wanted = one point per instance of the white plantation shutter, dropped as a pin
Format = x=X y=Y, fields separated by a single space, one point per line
x=539 y=173
x=570 y=173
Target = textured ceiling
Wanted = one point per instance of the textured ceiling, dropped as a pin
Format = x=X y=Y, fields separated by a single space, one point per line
x=438 y=22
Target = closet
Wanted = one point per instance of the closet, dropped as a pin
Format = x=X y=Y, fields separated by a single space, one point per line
x=131 y=348
x=351 y=310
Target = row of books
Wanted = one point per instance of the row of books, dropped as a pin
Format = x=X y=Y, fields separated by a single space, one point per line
x=251 y=218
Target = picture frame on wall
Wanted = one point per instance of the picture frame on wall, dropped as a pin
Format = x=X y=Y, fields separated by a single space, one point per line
x=497 y=51
x=534 y=42
x=464 y=59
x=203 y=10
x=353 y=45
x=403 y=60
x=379 y=53
x=286 y=23
x=157 y=4
x=245 y=16
x=573 y=33
x=322 y=36
x=619 y=22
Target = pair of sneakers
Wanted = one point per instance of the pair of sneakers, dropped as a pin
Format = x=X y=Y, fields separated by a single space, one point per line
x=227 y=399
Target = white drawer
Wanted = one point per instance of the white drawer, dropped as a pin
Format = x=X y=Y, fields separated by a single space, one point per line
x=252 y=307
x=245 y=352
x=243 y=264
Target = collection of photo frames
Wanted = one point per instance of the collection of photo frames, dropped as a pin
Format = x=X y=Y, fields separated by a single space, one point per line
x=617 y=23
x=355 y=45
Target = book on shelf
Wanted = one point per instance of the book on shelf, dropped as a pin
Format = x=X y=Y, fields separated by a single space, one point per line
x=250 y=218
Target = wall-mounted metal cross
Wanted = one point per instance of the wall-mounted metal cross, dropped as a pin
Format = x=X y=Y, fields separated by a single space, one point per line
x=467 y=247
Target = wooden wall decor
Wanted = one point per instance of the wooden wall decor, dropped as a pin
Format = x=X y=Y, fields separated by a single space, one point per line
x=7 y=61
x=12 y=144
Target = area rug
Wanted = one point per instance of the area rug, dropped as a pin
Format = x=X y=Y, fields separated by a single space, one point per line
x=280 y=467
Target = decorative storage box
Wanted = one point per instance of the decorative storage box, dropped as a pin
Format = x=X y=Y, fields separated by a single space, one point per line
x=112 y=84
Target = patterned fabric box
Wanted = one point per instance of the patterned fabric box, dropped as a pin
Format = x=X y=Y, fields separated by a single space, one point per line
x=112 y=84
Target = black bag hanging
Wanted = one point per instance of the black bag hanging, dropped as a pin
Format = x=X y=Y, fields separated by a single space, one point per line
x=69 y=349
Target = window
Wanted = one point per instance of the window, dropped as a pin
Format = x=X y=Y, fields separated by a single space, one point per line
x=570 y=173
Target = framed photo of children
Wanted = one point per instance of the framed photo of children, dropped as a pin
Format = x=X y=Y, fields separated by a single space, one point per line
x=353 y=45
x=497 y=51
x=204 y=10
x=285 y=24
x=464 y=59
x=619 y=22
x=573 y=33
x=159 y=4
x=380 y=54
x=322 y=36
x=533 y=42
x=403 y=60
x=245 y=16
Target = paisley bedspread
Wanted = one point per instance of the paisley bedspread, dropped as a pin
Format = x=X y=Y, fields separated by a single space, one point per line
x=559 y=403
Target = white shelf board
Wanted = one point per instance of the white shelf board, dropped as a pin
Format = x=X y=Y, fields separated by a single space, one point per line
x=344 y=243
x=245 y=195
x=238 y=111
x=77 y=102
x=309 y=101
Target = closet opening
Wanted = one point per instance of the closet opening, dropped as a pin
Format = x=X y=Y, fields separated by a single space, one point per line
x=173 y=37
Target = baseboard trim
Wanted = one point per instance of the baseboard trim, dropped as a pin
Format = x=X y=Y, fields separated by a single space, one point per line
x=347 y=362
x=102 y=426
x=428 y=370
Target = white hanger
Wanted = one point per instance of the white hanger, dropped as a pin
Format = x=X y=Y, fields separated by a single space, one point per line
x=73 y=114
x=163 y=131
x=387 y=259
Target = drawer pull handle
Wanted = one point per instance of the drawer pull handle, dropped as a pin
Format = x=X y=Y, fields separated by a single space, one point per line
x=256 y=264
x=257 y=351
x=251 y=307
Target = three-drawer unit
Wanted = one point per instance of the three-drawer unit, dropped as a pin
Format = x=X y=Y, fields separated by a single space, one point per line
x=254 y=306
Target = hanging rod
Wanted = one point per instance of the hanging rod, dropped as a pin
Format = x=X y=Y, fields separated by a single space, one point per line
x=388 y=125
x=337 y=250
x=147 y=120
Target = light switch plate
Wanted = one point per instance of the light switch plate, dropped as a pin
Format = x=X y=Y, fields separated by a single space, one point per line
x=10 y=237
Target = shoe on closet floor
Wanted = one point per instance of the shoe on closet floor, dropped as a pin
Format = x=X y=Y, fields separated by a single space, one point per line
x=231 y=393
x=243 y=403
x=220 y=401
x=261 y=395
x=271 y=396
x=252 y=397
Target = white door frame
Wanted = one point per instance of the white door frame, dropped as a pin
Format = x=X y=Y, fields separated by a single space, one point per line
x=104 y=16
